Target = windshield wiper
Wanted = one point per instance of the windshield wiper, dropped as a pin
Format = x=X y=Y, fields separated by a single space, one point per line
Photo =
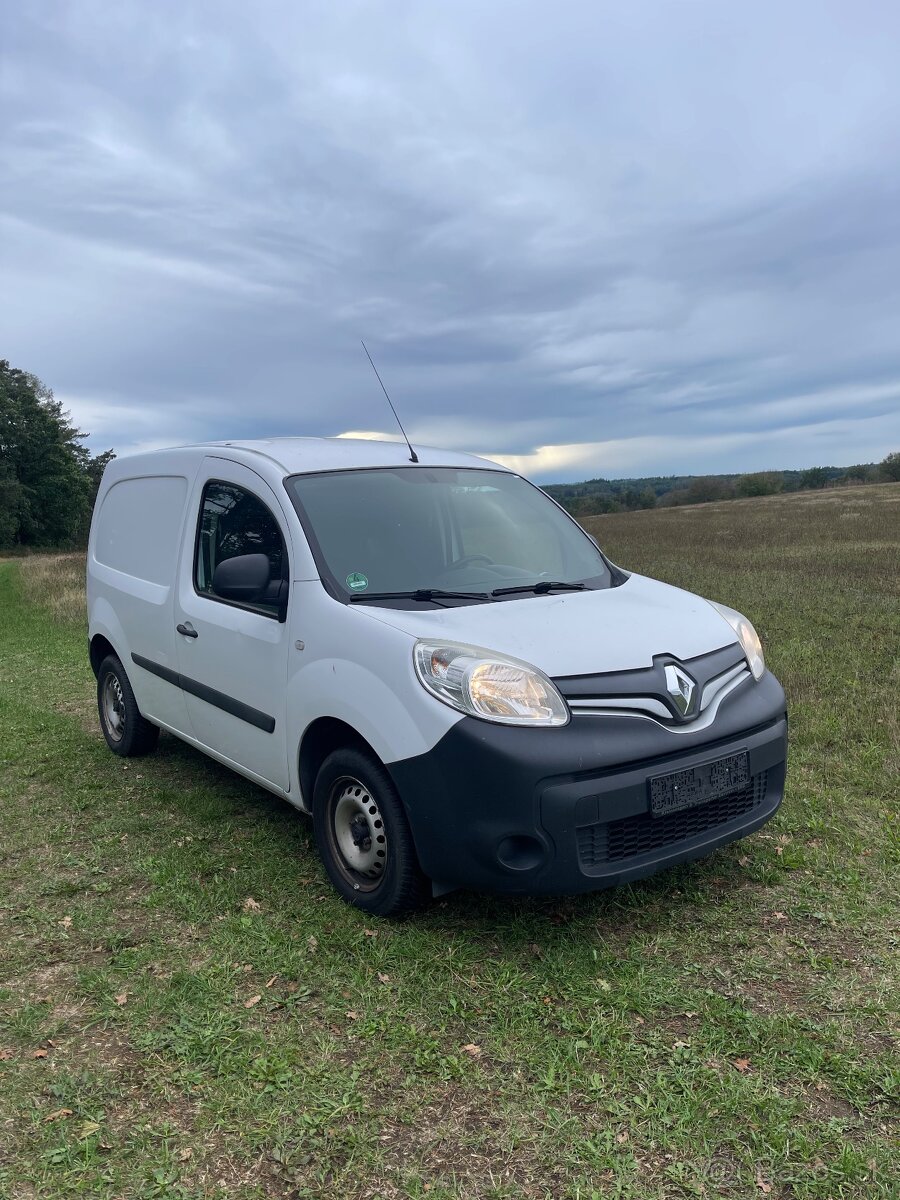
x=423 y=594
x=540 y=588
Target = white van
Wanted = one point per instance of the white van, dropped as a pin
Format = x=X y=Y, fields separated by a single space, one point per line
x=430 y=657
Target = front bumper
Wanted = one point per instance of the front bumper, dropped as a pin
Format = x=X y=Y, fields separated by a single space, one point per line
x=554 y=811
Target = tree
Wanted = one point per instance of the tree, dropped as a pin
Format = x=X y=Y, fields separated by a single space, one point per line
x=707 y=487
x=815 y=477
x=760 y=483
x=890 y=467
x=47 y=478
x=859 y=473
x=673 y=498
x=592 y=506
x=9 y=504
x=95 y=468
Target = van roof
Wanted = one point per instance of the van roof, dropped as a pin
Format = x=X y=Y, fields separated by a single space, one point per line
x=299 y=455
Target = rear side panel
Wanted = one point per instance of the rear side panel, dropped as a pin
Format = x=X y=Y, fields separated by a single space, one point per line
x=132 y=558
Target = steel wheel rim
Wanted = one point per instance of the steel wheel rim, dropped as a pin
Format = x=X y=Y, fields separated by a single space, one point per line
x=114 y=707
x=357 y=833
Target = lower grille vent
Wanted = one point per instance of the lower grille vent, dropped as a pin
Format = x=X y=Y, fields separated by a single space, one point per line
x=630 y=837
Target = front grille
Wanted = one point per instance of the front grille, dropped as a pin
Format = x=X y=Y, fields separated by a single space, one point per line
x=630 y=837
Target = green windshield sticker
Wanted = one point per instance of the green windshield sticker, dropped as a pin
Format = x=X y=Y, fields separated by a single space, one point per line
x=357 y=582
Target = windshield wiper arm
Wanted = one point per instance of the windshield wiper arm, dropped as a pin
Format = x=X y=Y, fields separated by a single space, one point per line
x=540 y=588
x=423 y=594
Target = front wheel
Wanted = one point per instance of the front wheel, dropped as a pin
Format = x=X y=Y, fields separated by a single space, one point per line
x=125 y=730
x=364 y=838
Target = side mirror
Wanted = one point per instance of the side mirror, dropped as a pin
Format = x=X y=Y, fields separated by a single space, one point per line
x=243 y=578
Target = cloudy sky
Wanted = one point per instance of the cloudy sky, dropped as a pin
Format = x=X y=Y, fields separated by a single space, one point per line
x=589 y=238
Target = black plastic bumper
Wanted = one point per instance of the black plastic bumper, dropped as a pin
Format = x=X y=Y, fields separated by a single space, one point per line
x=531 y=811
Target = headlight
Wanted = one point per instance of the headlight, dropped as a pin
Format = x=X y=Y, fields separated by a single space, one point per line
x=487 y=685
x=746 y=635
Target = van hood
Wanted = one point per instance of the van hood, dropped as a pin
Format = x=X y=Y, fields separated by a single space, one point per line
x=578 y=633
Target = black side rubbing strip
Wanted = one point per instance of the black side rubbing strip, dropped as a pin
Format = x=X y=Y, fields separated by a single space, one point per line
x=219 y=699
x=165 y=673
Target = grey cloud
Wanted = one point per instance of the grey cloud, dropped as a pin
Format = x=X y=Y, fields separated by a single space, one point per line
x=553 y=226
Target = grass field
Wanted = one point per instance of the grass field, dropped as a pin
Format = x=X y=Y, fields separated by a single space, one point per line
x=186 y=1009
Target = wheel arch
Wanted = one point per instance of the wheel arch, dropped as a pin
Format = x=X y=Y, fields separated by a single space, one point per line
x=100 y=647
x=320 y=738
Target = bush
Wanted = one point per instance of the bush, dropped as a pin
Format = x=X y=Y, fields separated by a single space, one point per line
x=760 y=483
x=815 y=477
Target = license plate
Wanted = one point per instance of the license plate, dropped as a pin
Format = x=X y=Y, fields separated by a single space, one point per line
x=698 y=785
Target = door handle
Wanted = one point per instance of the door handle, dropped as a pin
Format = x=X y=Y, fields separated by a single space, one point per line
x=187 y=630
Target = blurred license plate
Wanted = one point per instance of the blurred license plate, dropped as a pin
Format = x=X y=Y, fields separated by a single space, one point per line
x=698 y=785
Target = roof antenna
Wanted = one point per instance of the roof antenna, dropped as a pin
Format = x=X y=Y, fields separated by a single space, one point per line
x=412 y=453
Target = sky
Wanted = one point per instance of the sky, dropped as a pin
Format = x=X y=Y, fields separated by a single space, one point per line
x=583 y=238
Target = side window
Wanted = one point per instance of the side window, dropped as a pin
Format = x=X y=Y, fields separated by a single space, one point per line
x=234 y=522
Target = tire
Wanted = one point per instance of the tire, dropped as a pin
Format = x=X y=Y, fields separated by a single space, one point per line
x=126 y=732
x=363 y=836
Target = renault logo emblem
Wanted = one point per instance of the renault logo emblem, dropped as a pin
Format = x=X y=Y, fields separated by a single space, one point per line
x=680 y=687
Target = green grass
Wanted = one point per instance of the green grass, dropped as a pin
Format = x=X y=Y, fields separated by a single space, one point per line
x=724 y=1029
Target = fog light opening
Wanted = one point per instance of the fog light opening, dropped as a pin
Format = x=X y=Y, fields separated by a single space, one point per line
x=520 y=852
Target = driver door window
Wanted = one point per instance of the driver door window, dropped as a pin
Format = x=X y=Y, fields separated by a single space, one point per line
x=234 y=522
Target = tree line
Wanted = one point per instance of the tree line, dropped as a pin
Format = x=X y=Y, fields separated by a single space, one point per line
x=595 y=496
x=48 y=479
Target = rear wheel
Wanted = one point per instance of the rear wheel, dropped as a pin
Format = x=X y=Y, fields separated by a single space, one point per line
x=125 y=730
x=364 y=837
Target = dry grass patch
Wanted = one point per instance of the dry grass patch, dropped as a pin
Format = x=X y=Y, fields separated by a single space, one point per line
x=56 y=582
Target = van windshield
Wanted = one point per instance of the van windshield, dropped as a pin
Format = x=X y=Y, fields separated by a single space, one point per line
x=441 y=529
